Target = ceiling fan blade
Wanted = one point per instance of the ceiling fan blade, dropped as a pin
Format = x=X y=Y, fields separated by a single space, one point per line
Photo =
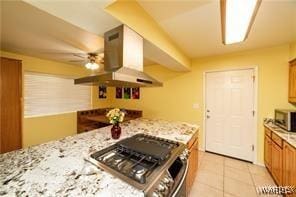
x=84 y=56
x=76 y=60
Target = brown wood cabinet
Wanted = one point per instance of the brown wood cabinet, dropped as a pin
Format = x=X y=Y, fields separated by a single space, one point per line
x=88 y=120
x=192 y=162
x=10 y=104
x=289 y=165
x=280 y=159
x=277 y=163
x=292 y=81
x=267 y=152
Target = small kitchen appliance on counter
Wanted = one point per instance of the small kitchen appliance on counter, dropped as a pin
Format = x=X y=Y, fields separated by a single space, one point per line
x=154 y=165
x=286 y=119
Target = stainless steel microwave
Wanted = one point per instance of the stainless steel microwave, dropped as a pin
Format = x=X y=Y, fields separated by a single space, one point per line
x=285 y=119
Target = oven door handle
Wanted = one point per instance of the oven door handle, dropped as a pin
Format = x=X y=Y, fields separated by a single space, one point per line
x=182 y=180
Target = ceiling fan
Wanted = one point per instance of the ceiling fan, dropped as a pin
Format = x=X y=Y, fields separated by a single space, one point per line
x=93 y=61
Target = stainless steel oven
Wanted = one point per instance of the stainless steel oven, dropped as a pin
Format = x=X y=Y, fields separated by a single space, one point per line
x=181 y=190
x=285 y=119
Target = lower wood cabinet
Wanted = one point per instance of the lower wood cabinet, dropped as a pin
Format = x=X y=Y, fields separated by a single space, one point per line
x=289 y=166
x=280 y=159
x=192 y=163
x=277 y=163
x=267 y=152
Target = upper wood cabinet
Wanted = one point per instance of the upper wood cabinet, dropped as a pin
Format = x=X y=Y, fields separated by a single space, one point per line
x=292 y=81
x=289 y=165
x=10 y=104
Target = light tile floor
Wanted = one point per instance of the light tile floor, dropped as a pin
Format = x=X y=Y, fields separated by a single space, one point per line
x=219 y=176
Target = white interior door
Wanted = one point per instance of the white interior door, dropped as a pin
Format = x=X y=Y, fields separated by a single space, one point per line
x=229 y=113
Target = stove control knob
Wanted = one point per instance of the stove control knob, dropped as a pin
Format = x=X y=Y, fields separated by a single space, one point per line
x=166 y=180
x=183 y=157
x=162 y=187
x=156 y=194
x=186 y=152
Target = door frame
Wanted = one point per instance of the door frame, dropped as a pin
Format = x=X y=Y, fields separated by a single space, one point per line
x=255 y=120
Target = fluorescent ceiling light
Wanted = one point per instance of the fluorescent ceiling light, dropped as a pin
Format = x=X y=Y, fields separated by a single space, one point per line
x=237 y=17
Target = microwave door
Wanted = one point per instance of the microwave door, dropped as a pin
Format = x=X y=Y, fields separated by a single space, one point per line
x=281 y=119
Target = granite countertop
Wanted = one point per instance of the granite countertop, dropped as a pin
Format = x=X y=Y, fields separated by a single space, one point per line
x=58 y=168
x=287 y=136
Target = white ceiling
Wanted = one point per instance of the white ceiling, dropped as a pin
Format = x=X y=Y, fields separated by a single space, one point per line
x=28 y=30
x=86 y=14
x=60 y=30
x=196 y=28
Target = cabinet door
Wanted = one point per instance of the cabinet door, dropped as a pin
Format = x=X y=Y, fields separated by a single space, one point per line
x=276 y=163
x=267 y=152
x=10 y=104
x=289 y=166
x=292 y=81
x=193 y=164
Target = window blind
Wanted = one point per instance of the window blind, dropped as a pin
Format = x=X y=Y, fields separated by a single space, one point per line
x=51 y=94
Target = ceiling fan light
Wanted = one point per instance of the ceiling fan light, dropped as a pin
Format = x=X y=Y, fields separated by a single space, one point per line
x=92 y=66
x=237 y=17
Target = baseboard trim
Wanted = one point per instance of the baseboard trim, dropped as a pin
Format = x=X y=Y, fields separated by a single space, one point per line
x=201 y=149
x=259 y=164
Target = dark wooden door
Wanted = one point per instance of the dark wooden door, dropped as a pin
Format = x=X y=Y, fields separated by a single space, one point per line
x=10 y=104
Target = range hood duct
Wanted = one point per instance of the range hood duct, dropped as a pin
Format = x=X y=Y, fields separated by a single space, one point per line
x=123 y=59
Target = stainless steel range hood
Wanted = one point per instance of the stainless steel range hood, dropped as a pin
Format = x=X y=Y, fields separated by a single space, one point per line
x=123 y=59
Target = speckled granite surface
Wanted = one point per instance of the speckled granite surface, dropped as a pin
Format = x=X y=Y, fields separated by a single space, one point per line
x=287 y=136
x=58 y=168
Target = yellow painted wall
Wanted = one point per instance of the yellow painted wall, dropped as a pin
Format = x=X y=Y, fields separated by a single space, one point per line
x=174 y=101
x=42 y=129
x=129 y=12
x=292 y=50
x=101 y=103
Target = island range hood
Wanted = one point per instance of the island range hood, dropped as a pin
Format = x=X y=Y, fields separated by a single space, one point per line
x=123 y=61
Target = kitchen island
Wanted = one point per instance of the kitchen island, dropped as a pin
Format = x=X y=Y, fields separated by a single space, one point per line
x=59 y=168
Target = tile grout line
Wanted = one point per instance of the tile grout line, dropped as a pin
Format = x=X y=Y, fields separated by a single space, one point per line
x=253 y=180
x=222 y=190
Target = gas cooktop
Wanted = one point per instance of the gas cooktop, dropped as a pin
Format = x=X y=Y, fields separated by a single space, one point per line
x=138 y=160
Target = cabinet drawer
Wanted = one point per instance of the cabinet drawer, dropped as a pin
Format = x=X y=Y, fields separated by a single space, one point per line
x=277 y=139
x=267 y=132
